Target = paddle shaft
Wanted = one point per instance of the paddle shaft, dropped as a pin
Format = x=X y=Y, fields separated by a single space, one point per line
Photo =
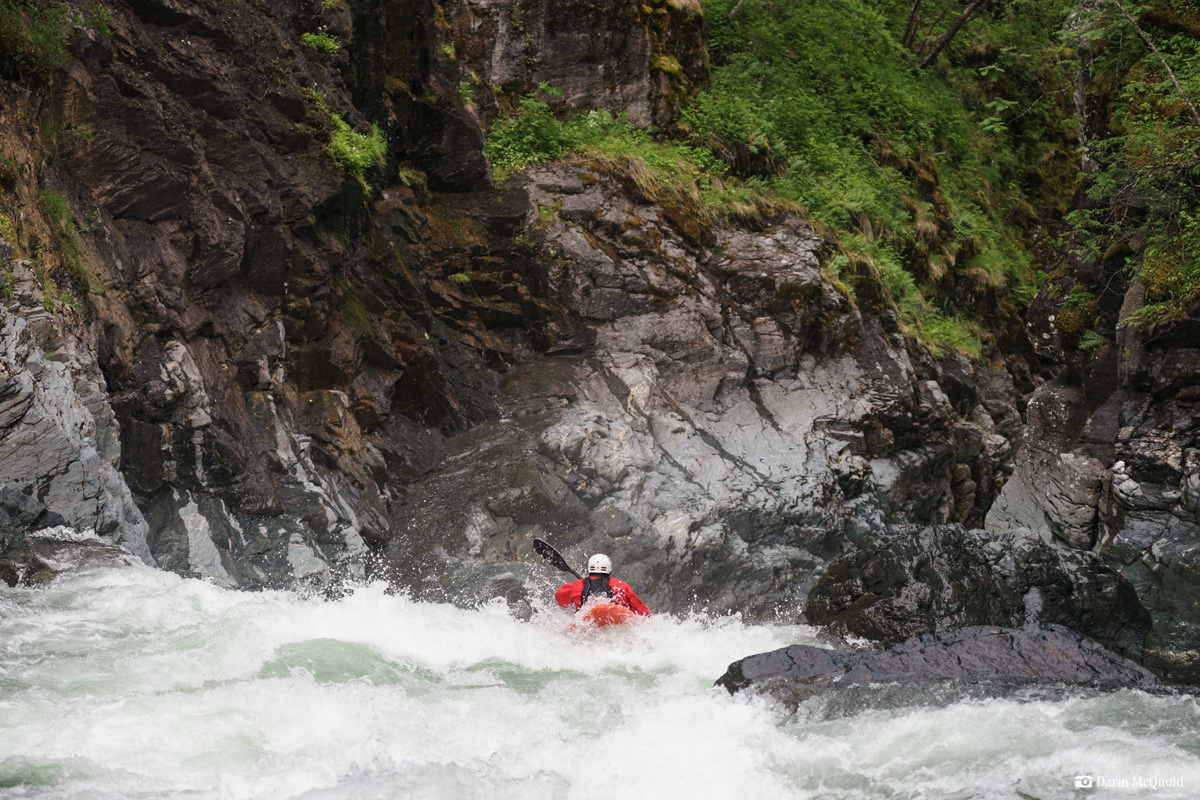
x=543 y=549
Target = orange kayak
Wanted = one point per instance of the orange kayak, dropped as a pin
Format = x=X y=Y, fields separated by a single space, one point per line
x=604 y=614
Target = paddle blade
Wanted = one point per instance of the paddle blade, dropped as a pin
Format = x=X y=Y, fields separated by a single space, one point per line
x=543 y=549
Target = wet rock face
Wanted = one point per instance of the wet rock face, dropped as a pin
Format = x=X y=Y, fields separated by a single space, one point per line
x=273 y=352
x=1057 y=484
x=994 y=660
x=1112 y=464
x=19 y=561
x=59 y=438
x=636 y=59
x=1150 y=525
x=202 y=262
x=718 y=418
x=36 y=544
x=908 y=581
x=239 y=386
x=299 y=375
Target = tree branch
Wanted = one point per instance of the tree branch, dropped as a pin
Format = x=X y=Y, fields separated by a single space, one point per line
x=1166 y=67
x=945 y=38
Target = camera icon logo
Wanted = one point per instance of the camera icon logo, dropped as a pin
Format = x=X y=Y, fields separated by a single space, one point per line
x=1084 y=782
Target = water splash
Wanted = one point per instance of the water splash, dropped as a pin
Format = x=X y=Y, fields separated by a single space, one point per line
x=134 y=683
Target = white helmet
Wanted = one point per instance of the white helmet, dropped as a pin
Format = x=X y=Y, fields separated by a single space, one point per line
x=600 y=563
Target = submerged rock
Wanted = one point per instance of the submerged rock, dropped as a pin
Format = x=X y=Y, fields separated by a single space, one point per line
x=994 y=661
x=906 y=581
x=35 y=545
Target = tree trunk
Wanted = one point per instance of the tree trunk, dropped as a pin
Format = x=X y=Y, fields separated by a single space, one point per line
x=910 y=33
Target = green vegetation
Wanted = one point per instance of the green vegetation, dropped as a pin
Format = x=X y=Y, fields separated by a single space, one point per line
x=63 y=225
x=35 y=34
x=352 y=312
x=661 y=171
x=1078 y=313
x=927 y=167
x=1146 y=187
x=1092 y=341
x=923 y=171
x=322 y=42
x=6 y=230
x=356 y=152
x=950 y=332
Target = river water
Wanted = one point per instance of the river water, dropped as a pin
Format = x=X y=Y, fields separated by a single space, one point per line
x=134 y=683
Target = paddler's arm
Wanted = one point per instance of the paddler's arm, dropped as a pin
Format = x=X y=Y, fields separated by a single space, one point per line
x=570 y=594
x=635 y=602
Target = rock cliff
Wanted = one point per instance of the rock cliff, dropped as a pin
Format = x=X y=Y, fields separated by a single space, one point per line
x=248 y=358
x=1112 y=460
x=717 y=417
x=292 y=374
x=1112 y=465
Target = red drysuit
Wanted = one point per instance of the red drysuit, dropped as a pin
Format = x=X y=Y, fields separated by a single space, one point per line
x=571 y=594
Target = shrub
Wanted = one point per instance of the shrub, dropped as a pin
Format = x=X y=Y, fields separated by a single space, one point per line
x=34 y=33
x=532 y=134
x=662 y=171
x=322 y=42
x=62 y=223
x=943 y=331
x=356 y=152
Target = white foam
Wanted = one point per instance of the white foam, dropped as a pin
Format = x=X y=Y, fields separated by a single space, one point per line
x=135 y=683
x=65 y=533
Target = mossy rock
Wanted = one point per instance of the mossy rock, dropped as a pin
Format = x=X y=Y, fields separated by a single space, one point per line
x=1079 y=312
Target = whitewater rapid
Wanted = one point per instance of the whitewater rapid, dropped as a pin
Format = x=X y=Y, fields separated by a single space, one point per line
x=135 y=683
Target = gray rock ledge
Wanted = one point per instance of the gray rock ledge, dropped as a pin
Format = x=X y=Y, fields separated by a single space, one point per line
x=990 y=661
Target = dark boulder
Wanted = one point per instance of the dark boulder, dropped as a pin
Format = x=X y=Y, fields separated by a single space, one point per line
x=906 y=580
x=19 y=560
x=19 y=511
x=982 y=660
x=35 y=543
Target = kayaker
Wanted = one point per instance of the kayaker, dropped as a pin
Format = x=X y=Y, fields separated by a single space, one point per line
x=600 y=583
